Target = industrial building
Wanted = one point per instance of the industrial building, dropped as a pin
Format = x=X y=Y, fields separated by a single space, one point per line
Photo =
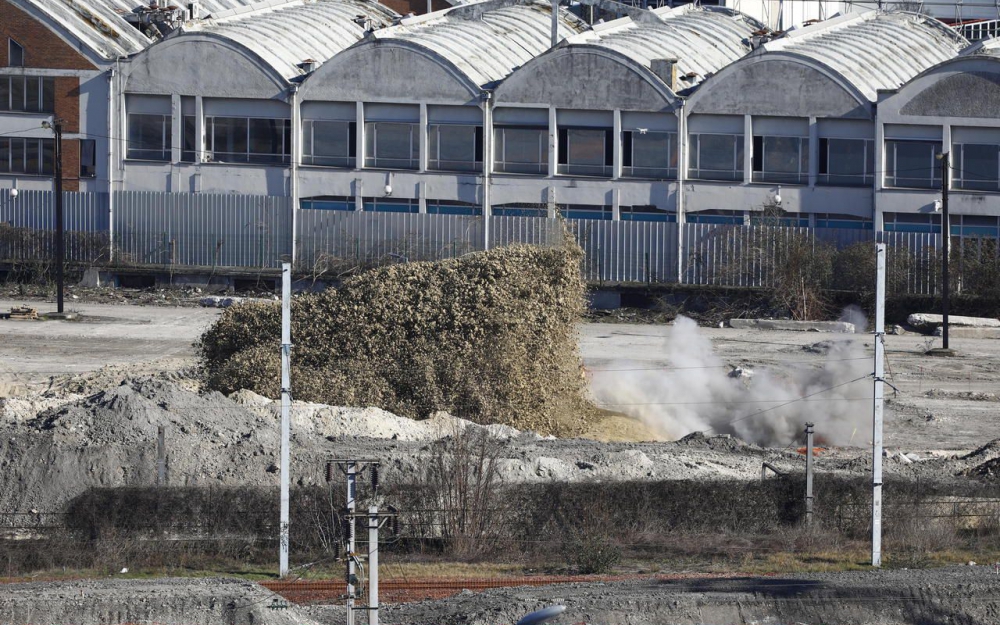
x=693 y=114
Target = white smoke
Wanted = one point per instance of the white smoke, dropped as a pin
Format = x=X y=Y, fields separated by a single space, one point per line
x=697 y=391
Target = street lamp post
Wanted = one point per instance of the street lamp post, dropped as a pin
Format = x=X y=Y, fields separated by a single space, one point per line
x=57 y=129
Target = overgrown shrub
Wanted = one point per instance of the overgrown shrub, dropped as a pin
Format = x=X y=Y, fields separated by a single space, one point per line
x=489 y=336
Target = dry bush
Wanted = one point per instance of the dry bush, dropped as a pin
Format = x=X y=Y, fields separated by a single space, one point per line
x=464 y=503
x=489 y=336
x=854 y=270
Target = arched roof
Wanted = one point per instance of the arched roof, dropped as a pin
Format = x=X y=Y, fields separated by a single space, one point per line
x=702 y=39
x=873 y=50
x=283 y=35
x=487 y=40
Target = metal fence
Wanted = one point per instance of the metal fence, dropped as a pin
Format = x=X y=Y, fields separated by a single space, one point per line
x=27 y=226
x=199 y=231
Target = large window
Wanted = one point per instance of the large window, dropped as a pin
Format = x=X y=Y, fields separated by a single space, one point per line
x=329 y=143
x=586 y=211
x=392 y=145
x=248 y=139
x=521 y=150
x=88 y=158
x=148 y=137
x=31 y=94
x=649 y=154
x=976 y=167
x=781 y=159
x=15 y=54
x=27 y=156
x=454 y=147
x=586 y=151
x=716 y=157
x=846 y=162
x=189 y=139
x=645 y=213
x=912 y=164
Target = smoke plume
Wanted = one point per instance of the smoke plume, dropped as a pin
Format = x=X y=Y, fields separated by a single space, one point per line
x=695 y=390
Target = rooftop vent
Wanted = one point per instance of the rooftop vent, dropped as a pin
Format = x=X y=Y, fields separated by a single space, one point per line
x=666 y=70
x=309 y=65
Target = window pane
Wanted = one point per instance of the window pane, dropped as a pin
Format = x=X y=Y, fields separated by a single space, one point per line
x=32 y=157
x=149 y=137
x=32 y=85
x=229 y=139
x=17 y=93
x=783 y=160
x=15 y=54
x=913 y=164
x=4 y=155
x=453 y=148
x=719 y=157
x=188 y=140
x=653 y=155
x=49 y=153
x=266 y=140
x=88 y=158
x=4 y=93
x=394 y=145
x=48 y=95
x=978 y=168
x=521 y=150
x=17 y=155
x=586 y=147
x=331 y=143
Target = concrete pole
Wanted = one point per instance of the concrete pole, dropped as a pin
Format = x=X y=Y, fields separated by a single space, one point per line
x=555 y=23
x=373 y=522
x=161 y=457
x=878 y=406
x=487 y=198
x=945 y=248
x=286 y=406
x=809 y=473
x=352 y=485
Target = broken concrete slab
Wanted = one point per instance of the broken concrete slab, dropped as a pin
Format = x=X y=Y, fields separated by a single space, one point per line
x=969 y=333
x=794 y=326
x=928 y=321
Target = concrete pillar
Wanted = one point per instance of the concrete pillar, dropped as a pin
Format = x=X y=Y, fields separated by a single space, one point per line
x=616 y=160
x=553 y=142
x=176 y=124
x=813 y=152
x=422 y=132
x=680 y=195
x=359 y=134
x=422 y=197
x=616 y=204
x=747 y=148
x=878 y=218
x=293 y=170
x=199 y=129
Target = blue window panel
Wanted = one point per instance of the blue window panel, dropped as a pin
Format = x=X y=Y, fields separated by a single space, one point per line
x=578 y=214
x=452 y=209
x=716 y=219
x=904 y=227
x=391 y=207
x=979 y=231
x=328 y=205
x=844 y=224
x=501 y=211
x=660 y=217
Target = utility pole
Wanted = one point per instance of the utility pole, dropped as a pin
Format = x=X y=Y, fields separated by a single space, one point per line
x=286 y=407
x=56 y=125
x=809 y=474
x=945 y=247
x=375 y=520
x=878 y=405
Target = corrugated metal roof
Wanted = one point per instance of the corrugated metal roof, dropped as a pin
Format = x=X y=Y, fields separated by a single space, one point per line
x=286 y=34
x=485 y=40
x=97 y=23
x=874 y=50
x=702 y=39
x=101 y=25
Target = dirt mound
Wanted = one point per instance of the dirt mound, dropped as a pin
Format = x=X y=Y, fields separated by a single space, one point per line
x=989 y=470
x=489 y=337
x=988 y=451
x=937 y=393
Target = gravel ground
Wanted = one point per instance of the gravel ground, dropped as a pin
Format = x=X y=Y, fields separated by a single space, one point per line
x=956 y=596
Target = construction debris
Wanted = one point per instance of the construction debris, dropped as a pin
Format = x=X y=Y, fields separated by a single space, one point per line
x=21 y=313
